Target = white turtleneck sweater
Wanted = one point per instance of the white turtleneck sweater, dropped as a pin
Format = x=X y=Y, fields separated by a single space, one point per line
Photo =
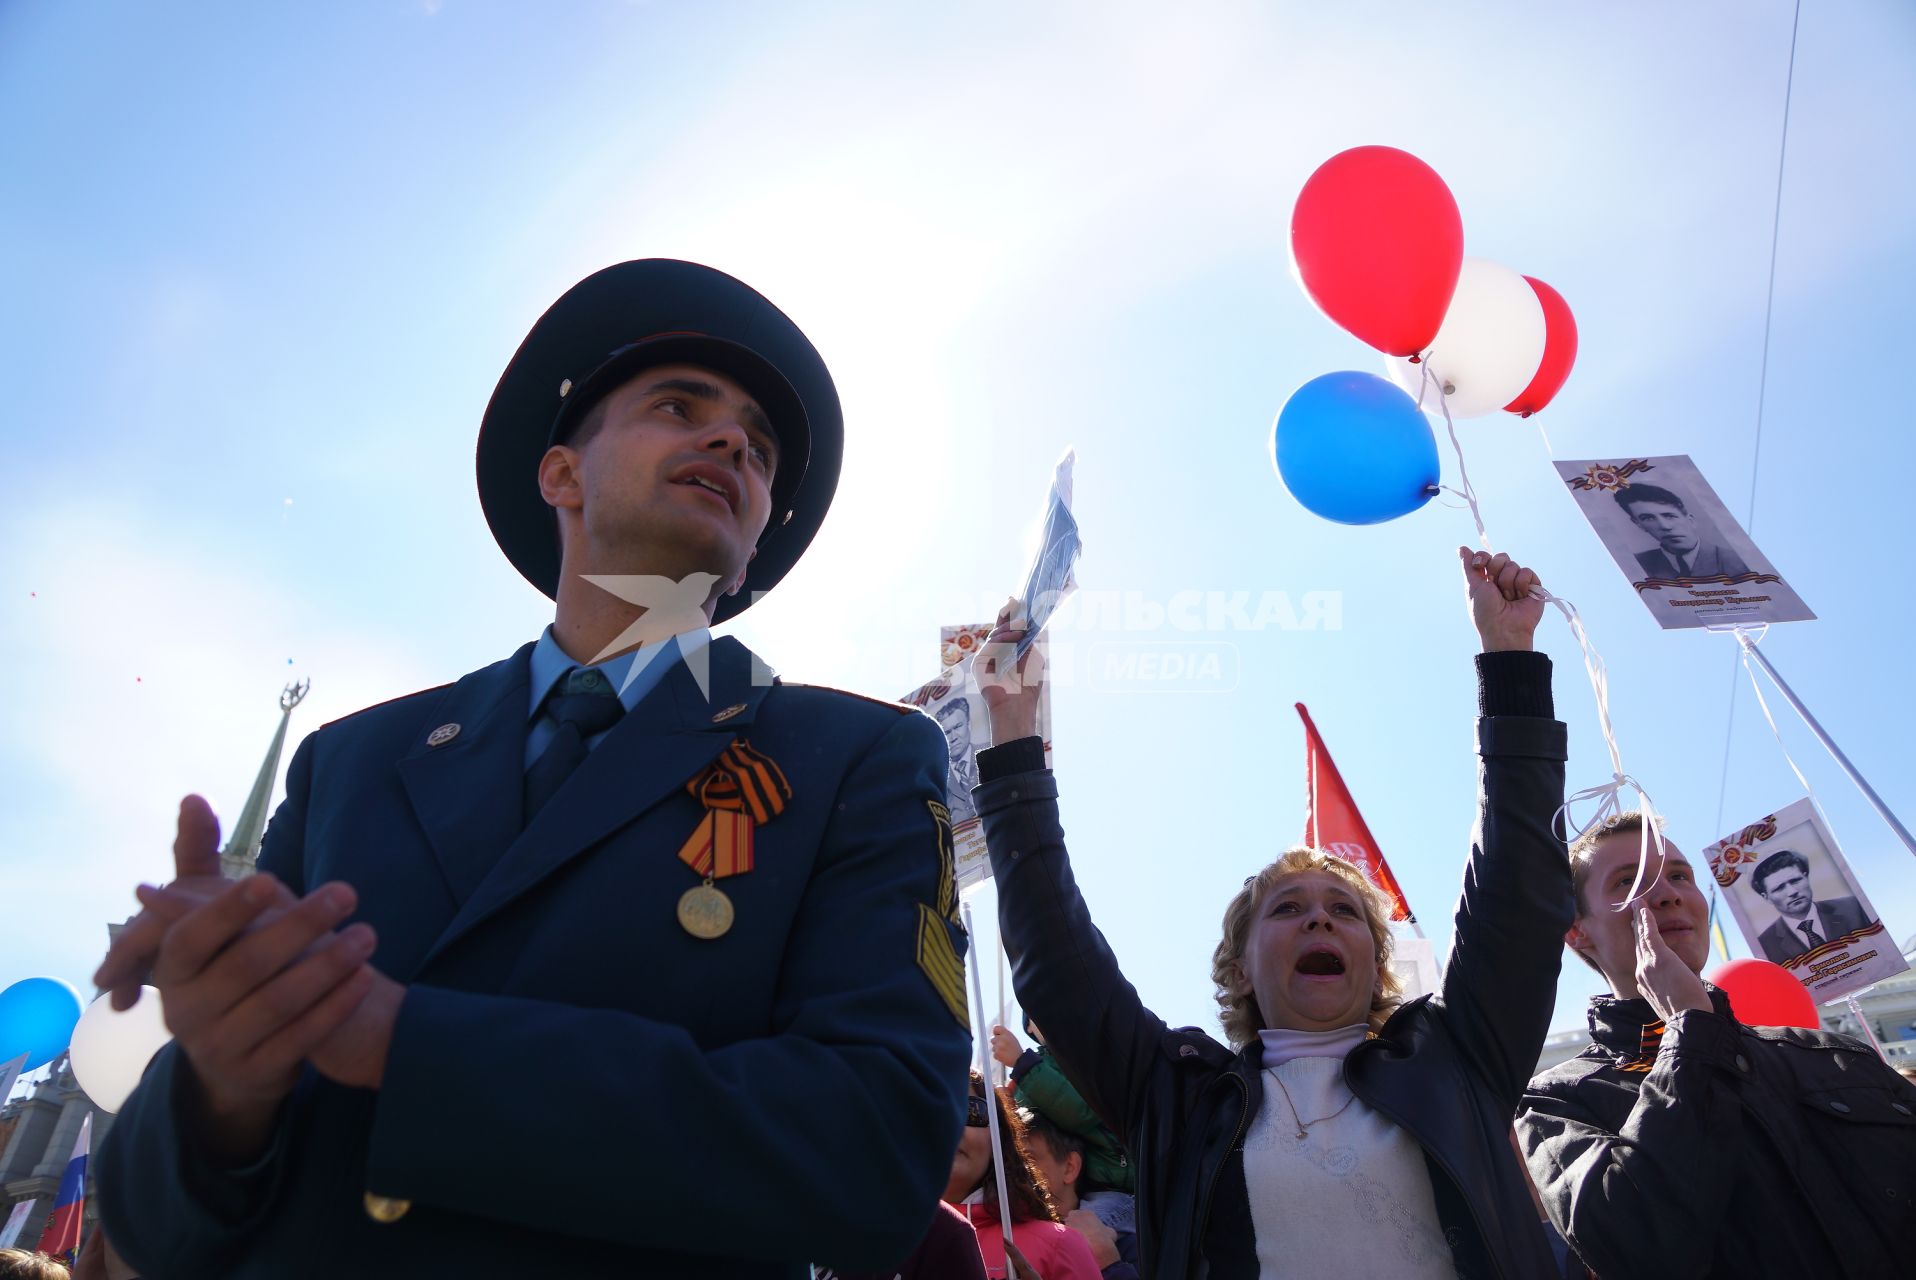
x=1352 y=1197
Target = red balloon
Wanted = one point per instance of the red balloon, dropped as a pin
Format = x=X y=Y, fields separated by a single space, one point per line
x=1766 y=995
x=1559 y=352
x=1377 y=242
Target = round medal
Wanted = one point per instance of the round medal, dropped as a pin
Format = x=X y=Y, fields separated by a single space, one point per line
x=705 y=912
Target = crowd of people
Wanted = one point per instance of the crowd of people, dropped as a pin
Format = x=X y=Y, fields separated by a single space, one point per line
x=1342 y=1131
x=724 y=910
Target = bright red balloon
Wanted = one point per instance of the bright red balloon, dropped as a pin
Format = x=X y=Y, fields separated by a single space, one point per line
x=1559 y=352
x=1766 y=995
x=1377 y=242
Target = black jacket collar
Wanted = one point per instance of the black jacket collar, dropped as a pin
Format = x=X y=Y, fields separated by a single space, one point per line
x=1630 y=1029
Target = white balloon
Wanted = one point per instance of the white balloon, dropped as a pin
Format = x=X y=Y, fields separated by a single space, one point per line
x=110 y=1050
x=1489 y=348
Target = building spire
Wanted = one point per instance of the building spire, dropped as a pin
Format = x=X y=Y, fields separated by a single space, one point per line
x=242 y=846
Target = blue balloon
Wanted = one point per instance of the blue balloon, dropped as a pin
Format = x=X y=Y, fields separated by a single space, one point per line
x=37 y=1016
x=1353 y=448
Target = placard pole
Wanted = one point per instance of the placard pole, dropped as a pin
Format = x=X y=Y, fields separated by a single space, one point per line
x=1751 y=648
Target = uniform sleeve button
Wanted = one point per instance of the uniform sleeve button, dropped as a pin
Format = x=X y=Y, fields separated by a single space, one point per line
x=1742 y=1064
x=1900 y=1107
x=1014 y=793
x=1840 y=1108
x=386 y=1208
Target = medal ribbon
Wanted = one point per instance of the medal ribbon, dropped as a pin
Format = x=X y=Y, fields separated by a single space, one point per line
x=742 y=789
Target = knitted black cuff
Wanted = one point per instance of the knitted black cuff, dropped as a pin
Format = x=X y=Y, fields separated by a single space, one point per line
x=1515 y=682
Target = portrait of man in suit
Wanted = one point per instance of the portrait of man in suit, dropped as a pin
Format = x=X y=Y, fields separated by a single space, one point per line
x=955 y=719
x=1803 y=923
x=1685 y=547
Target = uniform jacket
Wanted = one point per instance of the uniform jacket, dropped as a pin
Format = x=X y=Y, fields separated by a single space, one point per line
x=1448 y=1068
x=575 y=1085
x=1834 y=918
x=1708 y=1148
x=1707 y=561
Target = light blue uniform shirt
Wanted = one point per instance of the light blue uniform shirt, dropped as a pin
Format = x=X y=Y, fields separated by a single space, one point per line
x=634 y=674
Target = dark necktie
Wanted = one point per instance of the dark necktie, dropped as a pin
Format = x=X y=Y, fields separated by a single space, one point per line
x=1809 y=931
x=584 y=703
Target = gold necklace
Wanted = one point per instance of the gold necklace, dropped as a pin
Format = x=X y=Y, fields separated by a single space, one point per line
x=1301 y=1123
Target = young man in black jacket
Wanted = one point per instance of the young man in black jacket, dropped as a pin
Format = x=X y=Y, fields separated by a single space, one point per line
x=1683 y=1143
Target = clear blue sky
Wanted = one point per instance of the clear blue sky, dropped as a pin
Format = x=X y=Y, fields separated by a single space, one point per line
x=262 y=266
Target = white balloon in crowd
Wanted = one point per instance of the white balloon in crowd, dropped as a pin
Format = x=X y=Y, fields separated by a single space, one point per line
x=1488 y=349
x=110 y=1049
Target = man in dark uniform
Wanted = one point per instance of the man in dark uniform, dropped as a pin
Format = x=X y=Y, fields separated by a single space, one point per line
x=616 y=957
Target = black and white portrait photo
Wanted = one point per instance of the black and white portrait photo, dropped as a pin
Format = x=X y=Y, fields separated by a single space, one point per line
x=1685 y=547
x=1686 y=556
x=1803 y=921
x=954 y=717
x=1799 y=904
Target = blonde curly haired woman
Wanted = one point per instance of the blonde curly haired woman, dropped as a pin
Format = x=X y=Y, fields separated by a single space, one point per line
x=1340 y=1133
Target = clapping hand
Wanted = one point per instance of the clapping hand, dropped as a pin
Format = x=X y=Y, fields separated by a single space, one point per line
x=256 y=981
x=196 y=879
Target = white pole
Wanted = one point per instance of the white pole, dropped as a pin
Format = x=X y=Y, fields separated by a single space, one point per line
x=1001 y=1068
x=991 y=1102
x=1863 y=1022
x=1836 y=752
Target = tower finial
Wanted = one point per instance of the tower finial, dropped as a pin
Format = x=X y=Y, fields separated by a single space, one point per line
x=242 y=848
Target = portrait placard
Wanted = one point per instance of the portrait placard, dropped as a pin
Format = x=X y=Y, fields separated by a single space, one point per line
x=1799 y=905
x=953 y=700
x=1689 y=560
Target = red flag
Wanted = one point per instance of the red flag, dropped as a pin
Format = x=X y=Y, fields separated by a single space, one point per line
x=1333 y=824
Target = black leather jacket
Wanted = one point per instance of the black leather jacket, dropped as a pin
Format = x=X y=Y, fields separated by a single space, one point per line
x=1448 y=1068
x=1708 y=1148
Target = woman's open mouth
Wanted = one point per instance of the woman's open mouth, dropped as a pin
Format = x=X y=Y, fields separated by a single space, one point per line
x=1320 y=962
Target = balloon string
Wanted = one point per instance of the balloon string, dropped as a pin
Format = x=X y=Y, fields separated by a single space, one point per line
x=1468 y=493
x=1764 y=706
x=1608 y=795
